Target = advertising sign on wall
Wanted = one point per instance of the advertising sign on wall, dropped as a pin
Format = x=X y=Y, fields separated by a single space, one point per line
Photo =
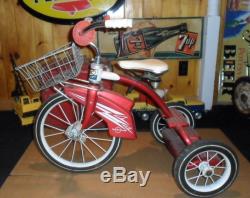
x=68 y=11
x=235 y=56
x=165 y=38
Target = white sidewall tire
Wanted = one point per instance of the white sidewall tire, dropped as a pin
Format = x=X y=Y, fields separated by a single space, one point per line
x=52 y=157
x=198 y=147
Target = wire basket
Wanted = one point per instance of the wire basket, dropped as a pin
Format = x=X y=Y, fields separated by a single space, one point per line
x=53 y=68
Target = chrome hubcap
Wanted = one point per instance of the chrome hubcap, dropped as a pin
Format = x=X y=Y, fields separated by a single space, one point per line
x=73 y=132
x=206 y=169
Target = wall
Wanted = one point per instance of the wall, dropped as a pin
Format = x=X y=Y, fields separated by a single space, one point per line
x=29 y=37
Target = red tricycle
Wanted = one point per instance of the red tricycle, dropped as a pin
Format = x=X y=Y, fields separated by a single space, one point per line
x=81 y=127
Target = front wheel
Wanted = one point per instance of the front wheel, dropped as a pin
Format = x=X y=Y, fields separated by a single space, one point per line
x=205 y=168
x=62 y=140
x=158 y=123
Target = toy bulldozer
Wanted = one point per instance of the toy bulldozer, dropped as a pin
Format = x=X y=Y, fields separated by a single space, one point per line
x=25 y=104
x=26 y=107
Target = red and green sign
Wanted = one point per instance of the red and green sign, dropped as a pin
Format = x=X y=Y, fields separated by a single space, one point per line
x=186 y=43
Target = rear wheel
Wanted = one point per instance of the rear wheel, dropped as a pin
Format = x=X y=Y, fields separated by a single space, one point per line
x=62 y=140
x=241 y=95
x=158 y=123
x=205 y=168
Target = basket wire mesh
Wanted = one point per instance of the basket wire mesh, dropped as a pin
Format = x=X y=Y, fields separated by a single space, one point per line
x=53 y=68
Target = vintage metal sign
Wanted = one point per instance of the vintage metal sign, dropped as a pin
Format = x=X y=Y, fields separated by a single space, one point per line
x=69 y=10
x=236 y=52
x=164 y=38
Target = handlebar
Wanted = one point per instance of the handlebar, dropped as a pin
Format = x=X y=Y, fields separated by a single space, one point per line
x=84 y=32
x=110 y=24
x=119 y=23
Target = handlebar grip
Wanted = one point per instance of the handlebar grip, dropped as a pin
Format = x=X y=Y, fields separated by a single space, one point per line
x=83 y=39
x=119 y=23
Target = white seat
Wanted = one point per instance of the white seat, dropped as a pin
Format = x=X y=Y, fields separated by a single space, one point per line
x=152 y=65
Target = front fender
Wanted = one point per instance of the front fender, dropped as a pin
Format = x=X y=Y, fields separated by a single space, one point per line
x=113 y=108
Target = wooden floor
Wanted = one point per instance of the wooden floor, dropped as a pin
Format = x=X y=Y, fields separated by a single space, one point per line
x=34 y=176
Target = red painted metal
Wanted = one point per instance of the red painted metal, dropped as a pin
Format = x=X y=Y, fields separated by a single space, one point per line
x=172 y=117
x=117 y=112
x=91 y=101
x=176 y=119
x=149 y=92
x=114 y=109
x=123 y=105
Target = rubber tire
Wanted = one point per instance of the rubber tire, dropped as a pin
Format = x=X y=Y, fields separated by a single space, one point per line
x=154 y=120
x=240 y=81
x=189 y=152
x=43 y=111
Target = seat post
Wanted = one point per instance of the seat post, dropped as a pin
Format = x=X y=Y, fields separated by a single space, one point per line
x=154 y=79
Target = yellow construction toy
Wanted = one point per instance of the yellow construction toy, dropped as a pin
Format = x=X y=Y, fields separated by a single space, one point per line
x=26 y=107
x=26 y=103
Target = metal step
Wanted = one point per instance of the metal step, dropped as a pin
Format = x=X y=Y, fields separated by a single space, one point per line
x=174 y=142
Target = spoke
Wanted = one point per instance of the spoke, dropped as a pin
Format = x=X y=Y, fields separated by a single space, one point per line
x=54 y=134
x=211 y=179
x=200 y=174
x=65 y=148
x=53 y=127
x=83 y=160
x=212 y=157
x=206 y=181
x=217 y=175
x=101 y=139
x=193 y=164
x=207 y=156
x=98 y=129
x=78 y=112
x=195 y=177
x=191 y=169
x=219 y=163
x=89 y=150
x=60 y=119
x=199 y=158
x=222 y=167
x=82 y=111
x=73 y=152
x=60 y=143
x=66 y=117
x=96 y=144
x=92 y=126
x=74 y=110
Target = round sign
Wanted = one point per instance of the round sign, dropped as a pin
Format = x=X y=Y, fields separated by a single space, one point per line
x=68 y=11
